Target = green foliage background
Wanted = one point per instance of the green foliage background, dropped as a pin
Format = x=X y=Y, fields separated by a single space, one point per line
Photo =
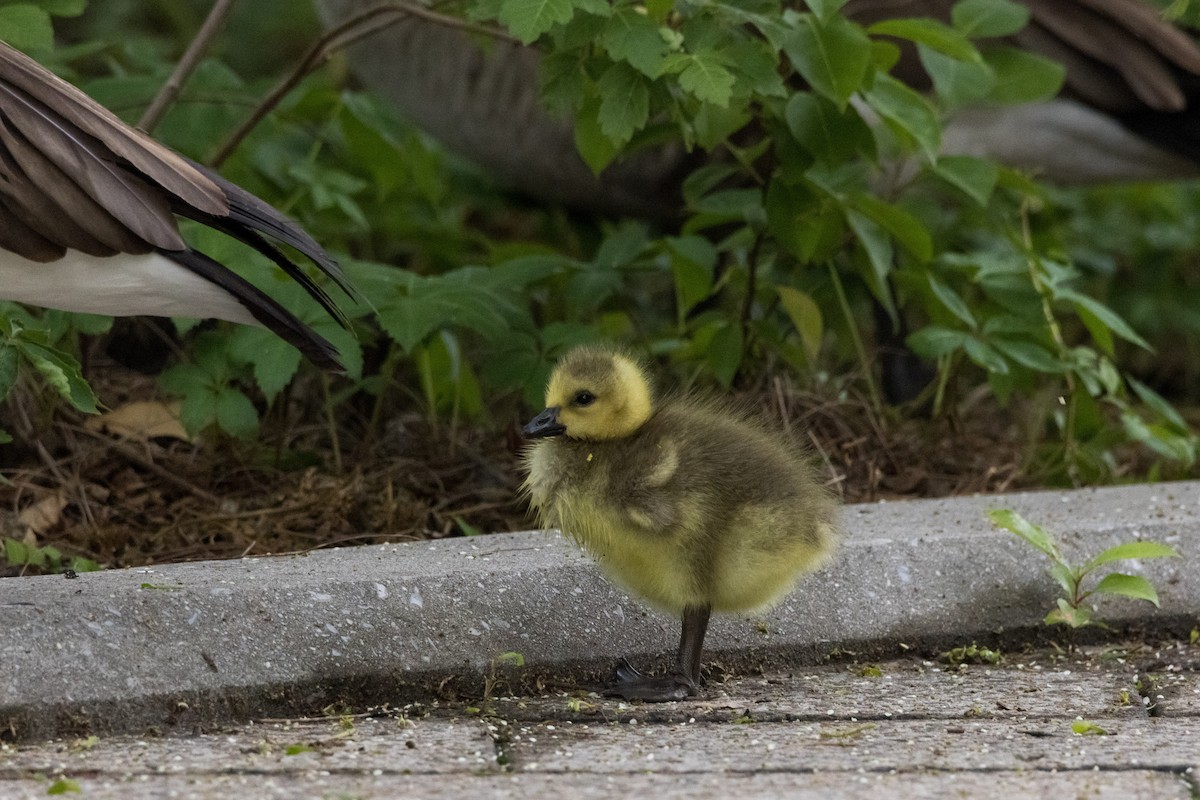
x=1085 y=304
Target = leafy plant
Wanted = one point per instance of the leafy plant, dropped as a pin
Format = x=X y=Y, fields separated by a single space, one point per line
x=1072 y=609
x=789 y=234
x=44 y=558
x=34 y=348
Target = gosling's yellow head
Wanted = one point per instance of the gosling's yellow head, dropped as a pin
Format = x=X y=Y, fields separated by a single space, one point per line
x=593 y=393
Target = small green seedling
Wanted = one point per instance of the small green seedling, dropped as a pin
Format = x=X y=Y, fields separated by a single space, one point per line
x=64 y=786
x=1072 y=610
x=1082 y=727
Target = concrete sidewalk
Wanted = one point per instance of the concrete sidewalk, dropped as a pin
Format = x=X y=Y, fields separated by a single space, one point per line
x=190 y=647
x=1105 y=723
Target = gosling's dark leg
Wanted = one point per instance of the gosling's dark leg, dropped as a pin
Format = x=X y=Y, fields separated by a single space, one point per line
x=683 y=682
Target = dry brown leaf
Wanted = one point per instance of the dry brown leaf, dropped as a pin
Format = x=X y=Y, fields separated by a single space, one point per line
x=142 y=419
x=44 y=514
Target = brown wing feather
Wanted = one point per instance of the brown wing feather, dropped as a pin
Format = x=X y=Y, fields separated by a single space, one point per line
x=1146 y=22
x=1097 y=38
x=116 y=208
x=54 y=215
x=18 y=237
x=161 y=165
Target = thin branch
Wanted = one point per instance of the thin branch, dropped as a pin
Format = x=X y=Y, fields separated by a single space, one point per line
x=358 y=27
x=186 y=66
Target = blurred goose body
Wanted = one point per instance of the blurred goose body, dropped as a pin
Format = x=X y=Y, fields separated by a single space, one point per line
x=88 y=223
x=1127 y=109
x=685 y=502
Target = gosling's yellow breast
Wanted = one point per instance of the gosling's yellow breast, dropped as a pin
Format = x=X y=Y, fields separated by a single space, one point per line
x=697 y=506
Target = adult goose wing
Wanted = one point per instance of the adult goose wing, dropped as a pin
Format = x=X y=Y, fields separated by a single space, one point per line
x=88 y=210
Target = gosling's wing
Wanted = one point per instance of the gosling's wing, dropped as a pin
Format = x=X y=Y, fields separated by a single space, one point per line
x=88 y=211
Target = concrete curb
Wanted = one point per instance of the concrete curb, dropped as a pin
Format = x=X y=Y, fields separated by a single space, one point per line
x=196 y=644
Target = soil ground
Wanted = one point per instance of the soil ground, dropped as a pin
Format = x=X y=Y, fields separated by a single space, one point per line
x=75 y=485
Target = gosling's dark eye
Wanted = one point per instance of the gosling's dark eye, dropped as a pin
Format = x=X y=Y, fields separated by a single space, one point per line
x=583 y=398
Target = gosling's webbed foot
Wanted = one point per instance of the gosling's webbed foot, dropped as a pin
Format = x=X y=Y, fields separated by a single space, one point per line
x=633 y=685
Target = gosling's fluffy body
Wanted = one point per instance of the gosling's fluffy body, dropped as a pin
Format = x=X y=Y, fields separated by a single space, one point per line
x=686 y=502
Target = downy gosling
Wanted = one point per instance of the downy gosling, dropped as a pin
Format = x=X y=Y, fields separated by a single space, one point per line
x=685 y=502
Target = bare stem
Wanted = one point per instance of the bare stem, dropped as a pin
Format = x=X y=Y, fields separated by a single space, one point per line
x=186 y=66
x=868 y=372
x=358 y=27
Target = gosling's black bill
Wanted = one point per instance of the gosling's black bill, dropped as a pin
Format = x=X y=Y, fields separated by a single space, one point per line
x=544 y=425
x=88 y=219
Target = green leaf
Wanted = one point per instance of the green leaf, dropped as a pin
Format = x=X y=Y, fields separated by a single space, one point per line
x=957 y=83
x=982 y=19
x=724 y=354
x=64 y=8
x=199 y=408
x=934 y=341
x=529 y=19
x=8 y=369
x=622 y=246
x=15 y=552
x=1065 y=614
x=1027 y=354
x=63 y=786
x=1083 y=727
x=1033 y=534
x=758 y=65
x=624 y=104
x=275 y=361
x=950 y=299
x=596 y=148
x=463 y=298
x=807 y=225
x=985 y=355
x=1133 y=586
x=26 y=27
x=877 y=246
x=693 y=259
x=63 y=373
x=931 y=33
x=1132 y=550
x=636 y=38
x=908 y=112
x=235 y=414
x=1160 y=438
x=908 y=231
x=713 y=124
x=564 y=82
x=830 y=134
x=704 y=75
x=976 y=177
x=467 y=528
x=1023 y=77
x=511 y=659
x=825 y=9
x=1151 y=398
x=805 y=315
x=1065 y=577
x=1096 y=316
x=832 y=57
